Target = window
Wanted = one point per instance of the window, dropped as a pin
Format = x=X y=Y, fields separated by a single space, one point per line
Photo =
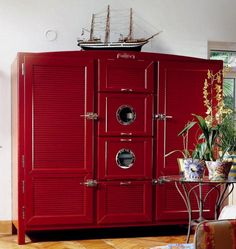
x=229 y=60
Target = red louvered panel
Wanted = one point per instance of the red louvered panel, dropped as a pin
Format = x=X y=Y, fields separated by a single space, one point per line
x=126 y=75
x=58 y=104
x=59 y=200
x=136 y=158
x=124 y=202
x=52 y=196
x=110 y=109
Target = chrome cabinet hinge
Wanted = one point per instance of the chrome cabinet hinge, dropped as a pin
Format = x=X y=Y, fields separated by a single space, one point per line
x=23 y=186
x=23 y=161
x=23 y=212
x=23 y=69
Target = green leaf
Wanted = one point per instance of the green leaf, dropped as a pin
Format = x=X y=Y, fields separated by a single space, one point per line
x=187 y=128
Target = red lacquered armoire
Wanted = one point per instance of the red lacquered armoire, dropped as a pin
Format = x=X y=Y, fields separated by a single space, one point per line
x=90 y=131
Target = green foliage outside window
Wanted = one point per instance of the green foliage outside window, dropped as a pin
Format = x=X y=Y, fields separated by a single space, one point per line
x=229 y=83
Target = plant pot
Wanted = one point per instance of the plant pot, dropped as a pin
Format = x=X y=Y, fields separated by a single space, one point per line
x=231 y=157
x=181 y=166
x=193 y=168
x=218 y=170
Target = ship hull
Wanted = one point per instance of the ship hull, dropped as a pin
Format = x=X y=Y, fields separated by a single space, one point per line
x=128 y=46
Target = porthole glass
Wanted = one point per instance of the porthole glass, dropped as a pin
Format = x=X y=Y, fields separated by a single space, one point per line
x=125 y=158
x=125 y=115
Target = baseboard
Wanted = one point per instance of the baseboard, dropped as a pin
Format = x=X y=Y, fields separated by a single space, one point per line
x=5 y=227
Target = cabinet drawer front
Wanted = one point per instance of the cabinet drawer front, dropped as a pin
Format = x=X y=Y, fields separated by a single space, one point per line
x=126 y=75
x=124 y=202
x=125 y=114
x=125 y=158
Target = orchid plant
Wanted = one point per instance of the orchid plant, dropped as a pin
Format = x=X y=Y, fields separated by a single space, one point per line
x=211 y=136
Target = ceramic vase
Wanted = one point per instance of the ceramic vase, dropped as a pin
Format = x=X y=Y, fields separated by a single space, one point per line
x=218 y=170
x=193 y=168
x=231 y=157
x=181 y=166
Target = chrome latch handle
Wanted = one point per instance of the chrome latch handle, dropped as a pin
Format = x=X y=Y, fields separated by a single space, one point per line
x=90 y=115
x=161 y=116
x=90 y=183
x=125 y=183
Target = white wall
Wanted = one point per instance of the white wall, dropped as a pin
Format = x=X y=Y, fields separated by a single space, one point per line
x=187 y=26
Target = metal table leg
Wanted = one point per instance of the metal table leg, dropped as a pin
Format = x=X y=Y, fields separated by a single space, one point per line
x=201 y=199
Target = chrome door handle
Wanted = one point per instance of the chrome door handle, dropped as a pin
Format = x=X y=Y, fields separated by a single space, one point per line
x=125 y=183
x=90 y=183
x=90 y=115
x=162 y=116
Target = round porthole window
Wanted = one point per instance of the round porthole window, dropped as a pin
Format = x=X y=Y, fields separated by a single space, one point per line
x=125 y=115
x=125 y=158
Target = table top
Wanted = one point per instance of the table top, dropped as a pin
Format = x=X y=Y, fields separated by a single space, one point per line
x=205 y=179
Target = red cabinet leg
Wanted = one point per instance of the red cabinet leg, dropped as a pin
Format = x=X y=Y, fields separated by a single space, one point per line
x=21 y=235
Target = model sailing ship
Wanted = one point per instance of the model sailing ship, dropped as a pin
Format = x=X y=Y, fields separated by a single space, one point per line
x=124 y=43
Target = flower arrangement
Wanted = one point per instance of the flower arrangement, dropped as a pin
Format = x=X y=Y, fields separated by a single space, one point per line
x=212 y=126
x=211 y=135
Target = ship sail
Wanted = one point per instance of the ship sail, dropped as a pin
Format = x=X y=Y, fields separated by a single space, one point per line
x=124 y=43
x=92 y=28
x=130 y=35
x=107 y=33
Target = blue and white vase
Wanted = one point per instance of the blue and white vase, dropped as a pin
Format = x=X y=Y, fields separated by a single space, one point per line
x=193 y=168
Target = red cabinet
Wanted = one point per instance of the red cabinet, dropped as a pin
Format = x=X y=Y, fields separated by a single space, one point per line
x=90 y=131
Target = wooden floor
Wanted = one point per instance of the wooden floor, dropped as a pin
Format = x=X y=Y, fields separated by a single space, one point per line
x=111 y=241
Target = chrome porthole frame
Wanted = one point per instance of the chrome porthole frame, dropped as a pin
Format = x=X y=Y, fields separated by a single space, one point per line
x=125 y=158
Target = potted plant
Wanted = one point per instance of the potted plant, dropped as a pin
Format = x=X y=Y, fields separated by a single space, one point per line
x=214 y=134
x=191 y=165
x=205 y=147
x=228 y=142
x=213 y=137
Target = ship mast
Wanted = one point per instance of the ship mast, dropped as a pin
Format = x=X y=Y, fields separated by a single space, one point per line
x=107 y=32
x=130 y=35
x=92 y=28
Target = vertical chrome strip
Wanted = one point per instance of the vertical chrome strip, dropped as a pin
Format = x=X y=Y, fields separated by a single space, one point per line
x=165 y=109
x=85 y=111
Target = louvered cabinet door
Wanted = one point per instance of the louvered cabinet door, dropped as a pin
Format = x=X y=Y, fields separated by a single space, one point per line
x=58 y=141
x=180 y=94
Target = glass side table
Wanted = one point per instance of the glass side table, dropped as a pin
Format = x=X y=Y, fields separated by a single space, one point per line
x=189 y=187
